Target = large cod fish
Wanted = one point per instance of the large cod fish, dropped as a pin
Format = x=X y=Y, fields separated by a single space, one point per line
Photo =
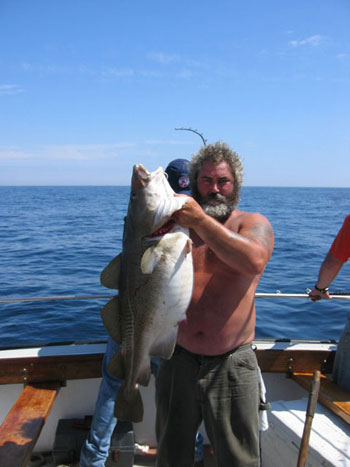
x=154 y=276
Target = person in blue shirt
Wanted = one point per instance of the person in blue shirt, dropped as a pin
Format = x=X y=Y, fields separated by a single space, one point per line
x=95 y=449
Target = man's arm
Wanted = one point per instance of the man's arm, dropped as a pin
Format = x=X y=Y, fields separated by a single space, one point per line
x=247 y=251
x=328 y=272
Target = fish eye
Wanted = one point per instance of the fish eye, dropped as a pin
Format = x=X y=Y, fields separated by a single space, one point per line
x=133 y=195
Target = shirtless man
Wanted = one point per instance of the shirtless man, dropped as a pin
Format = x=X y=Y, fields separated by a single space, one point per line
x=213 y=374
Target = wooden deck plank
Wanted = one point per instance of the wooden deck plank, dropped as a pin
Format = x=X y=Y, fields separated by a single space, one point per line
x=330 y=394
x=23 y=424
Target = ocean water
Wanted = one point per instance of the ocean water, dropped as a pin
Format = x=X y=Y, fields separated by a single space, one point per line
x=54 y=241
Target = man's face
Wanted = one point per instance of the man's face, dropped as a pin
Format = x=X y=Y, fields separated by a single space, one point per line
x=215 y=185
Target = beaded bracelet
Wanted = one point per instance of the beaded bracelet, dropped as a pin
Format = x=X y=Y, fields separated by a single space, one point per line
x=321 y=290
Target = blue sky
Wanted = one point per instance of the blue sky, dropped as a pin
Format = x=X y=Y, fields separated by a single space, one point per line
x=90 y=87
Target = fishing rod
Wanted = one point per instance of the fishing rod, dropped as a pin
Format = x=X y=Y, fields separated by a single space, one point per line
x=194 y=131
x=333 y=295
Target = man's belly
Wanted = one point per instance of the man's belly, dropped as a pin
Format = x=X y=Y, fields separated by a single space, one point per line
x=214 y=333
x=221 y=315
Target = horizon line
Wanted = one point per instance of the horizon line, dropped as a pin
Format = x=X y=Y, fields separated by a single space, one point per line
x=127 y=186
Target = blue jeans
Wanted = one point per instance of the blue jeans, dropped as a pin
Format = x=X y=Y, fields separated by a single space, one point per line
x=198 y=448
x=95 y=450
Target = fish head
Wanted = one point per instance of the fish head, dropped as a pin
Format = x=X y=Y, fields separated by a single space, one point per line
x=152 y=202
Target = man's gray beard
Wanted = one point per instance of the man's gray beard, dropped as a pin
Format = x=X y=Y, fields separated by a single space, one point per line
x=218 y=206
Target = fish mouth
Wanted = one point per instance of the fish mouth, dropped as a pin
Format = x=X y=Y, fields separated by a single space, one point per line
x=164 y=229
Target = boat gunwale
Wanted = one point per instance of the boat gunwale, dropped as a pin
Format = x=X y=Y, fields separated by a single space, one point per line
x=84 y=360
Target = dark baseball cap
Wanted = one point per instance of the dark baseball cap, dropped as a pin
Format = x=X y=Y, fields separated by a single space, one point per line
x=178 y=179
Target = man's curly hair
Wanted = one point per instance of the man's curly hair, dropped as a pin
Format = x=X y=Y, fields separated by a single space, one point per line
x=216 y=153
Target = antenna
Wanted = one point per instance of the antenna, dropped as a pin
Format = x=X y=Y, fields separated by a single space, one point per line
x=194 y=131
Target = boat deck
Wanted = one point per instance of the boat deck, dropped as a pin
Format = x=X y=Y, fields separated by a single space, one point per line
x=46 y=460
x=140 y=460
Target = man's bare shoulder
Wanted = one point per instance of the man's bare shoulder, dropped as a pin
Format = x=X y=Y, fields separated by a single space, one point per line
x=245 y=219
x=253 y=225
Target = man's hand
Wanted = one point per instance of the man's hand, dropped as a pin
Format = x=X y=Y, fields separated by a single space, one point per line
x=316 y=295
x=190 y=214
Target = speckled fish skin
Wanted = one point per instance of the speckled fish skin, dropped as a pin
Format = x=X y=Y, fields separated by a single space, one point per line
x=154 y=276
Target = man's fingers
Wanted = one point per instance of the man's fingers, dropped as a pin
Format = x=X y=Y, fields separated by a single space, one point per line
x=315 y=298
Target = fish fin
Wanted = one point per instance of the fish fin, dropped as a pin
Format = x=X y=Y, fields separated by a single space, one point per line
x=144 y=375
x=116 y=366
x=128 y=405
x=110 y=319
x=150 y=259
x=164 y=347
x=110 y=275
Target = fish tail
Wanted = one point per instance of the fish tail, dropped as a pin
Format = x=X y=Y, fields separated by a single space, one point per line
x=128 y=405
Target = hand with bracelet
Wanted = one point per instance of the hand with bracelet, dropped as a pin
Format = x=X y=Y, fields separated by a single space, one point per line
x=317 y=293
x=328 y=271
